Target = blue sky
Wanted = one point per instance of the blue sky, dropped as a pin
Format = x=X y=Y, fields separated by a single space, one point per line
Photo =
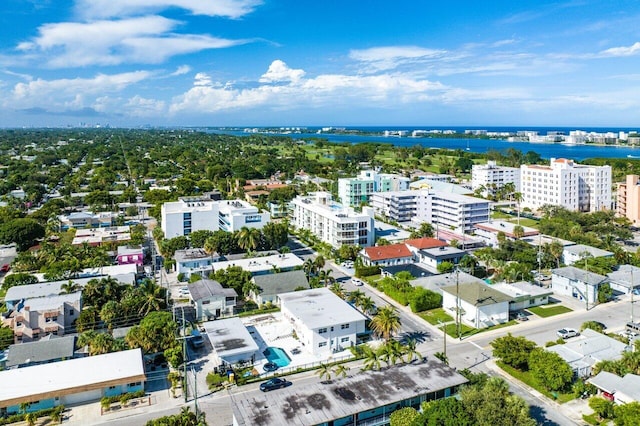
x=308 y=63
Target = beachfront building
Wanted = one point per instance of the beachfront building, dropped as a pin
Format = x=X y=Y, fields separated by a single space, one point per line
x=72 y=381
x=366 y=398
x=563 y=183
x=323 y=322
x=332 y=222
x=489 y=178
x=628 y=199
x=358 y=190
x=190 y=214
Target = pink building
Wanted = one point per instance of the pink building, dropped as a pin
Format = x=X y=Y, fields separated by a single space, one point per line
x=130 y=255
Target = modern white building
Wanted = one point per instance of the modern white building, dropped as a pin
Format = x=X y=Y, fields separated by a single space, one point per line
x=332 y=222
x=190 y=214
x=211 y=300
x=354 y=191
x=490 y=177
x=194 y=260
x=322 y=321
x=563 y=183
x=489 y=231
x=231 y=341
x=399 y=206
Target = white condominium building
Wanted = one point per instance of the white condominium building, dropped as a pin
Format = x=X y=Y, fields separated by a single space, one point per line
x=490 y=177
x=190 y=214
x=564 y=183
x=353 y=191
x=331 y=222
x=449 y=210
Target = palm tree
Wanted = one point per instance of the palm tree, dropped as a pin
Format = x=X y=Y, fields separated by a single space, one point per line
x=391 y=352
x=70 y=287
x=386 y=322
x=411 y=351
x=319 y=262
x=325 y=276
x=366 y=305
x=337 y=289
x=518 y=197
x=355 y=297
x=341 y=370
x=372 y=360
x=309 y=268
x=324 y=371
x=556 y=249
x=249 y=238
x=154 y=297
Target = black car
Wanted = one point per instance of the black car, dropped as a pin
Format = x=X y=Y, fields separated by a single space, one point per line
x=275 y=383
x=270 y=366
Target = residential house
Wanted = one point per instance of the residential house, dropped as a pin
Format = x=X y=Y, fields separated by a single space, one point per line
x=480 y=305
x=621 y=390
x=128 y=255
x=625 y=280
x=194 y=260
x=366 y=398
x=490 y=230
x=34 y=318
x=270 y=286
x=72 y=381
x=389 y=255
x=585 y=351
x=433 y=257
x=232 y=343
x=46 y=350
x=323 y=322
x=81 y=220
x=263 y=265
x=578 y=283
x=524 y=295
x=580 y=252
x=211 y=300
x=414 y=269
x=99 y=236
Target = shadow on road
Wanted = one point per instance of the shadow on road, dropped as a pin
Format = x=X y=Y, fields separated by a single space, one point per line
x=417 y=336
x=540 y=415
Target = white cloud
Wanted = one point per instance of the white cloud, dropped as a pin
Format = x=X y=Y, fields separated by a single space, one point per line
x=632 y=50
x=68 y=93
x=279 y=72
x=93 y=9
x=182 y=69
x=138 y=40
x=390 y=57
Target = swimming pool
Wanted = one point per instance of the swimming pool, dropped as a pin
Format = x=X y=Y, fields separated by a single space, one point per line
x=277 y=356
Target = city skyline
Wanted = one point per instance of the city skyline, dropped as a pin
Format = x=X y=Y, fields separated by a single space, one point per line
x=262 y=63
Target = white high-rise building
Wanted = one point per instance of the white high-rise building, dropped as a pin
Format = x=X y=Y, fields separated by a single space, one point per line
x=190 y=214
x=563 y=183
x=492 y=177
x=331 y=222
x=353 y=191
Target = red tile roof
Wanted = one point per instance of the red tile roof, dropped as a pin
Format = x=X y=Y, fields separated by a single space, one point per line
x=393 y=251
x=425 y=243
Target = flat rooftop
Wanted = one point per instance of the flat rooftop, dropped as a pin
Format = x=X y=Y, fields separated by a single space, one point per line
x=230 y=337
x=313 y=402
x=319 y=307
x=496 y=226
x=262 y=264
x=522 y=289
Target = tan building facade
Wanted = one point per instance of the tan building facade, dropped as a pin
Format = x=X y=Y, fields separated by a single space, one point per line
x=628 y=199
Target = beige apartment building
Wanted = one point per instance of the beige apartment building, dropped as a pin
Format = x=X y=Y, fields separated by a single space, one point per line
x=628 y=199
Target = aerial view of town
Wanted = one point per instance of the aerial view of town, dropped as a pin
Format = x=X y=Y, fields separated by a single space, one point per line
x=274 y=213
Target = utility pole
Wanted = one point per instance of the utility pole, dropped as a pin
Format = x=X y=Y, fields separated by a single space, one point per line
x=632 y=289
x=184 y=355
x=195 y=390
x=458 y=316
x=444 y=331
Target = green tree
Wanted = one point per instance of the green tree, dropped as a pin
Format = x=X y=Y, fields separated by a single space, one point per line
x=386 y=322
x=425 y=230
x=17 y=279
x=403 y=417
x=493 y=404
x=324 y=372
x=445 y=412
x=249 y=238
x=605 y=292
x=174 y=356
x=6 y=337
x=348 y=252
x=627 y=414
x=109 y=312
x=602 y=407
x=234 y=277
x=513 y=350
x=156 y=333
x=593 y=325
x=275 y=235
x=197 y=238
x=549 y=369
x=23 y=231
x=445 y=267
x=88 y=319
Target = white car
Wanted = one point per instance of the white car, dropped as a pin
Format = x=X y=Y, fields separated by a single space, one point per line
x=566 y=332
x=347 y=264
x=357 y=282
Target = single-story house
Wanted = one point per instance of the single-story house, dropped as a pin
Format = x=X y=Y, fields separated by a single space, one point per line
x=577 y=252
x=272 y=285
x=481 y=306
x=130 y=254
x=393 y=254
x=414 y=269
x=211 y=300
x=435 y=256
x=489 y=231
x=231 y=341
x=622 y=390
x=438 y=281
x=524 y=295
x=625 y=279
x=72 y=382
x=578 y=283
x=588 y=349
x=542 y=240
x=46 y=350
x=417 y=244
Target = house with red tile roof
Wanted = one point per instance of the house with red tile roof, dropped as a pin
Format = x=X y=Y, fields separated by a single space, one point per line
x=394 y=254
x=424 y=243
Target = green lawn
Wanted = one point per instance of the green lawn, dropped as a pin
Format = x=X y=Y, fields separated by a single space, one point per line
x=525 y=377
x=543 y=312
x=435 y=315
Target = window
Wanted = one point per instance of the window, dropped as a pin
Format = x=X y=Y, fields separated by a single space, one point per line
x=206 y=302
x=35 y=335
x=322 y=330
x=18 y=323
x=343 y=326
x=134 y=384
x=344 y=339
x=321 y=344
x=112 y=387
x=51 y=319
x=70 y=312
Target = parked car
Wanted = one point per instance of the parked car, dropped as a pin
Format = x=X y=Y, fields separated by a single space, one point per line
x=270 y=366
x=275 y=383
x=347 y=264
x=521 y=316
x=357 y=282
x=566 y=333
x=5 y=268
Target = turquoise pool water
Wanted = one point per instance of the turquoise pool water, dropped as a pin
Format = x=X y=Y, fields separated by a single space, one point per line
x=277 y=356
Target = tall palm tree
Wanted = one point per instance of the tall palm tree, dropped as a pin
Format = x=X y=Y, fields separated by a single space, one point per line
x=325 y=277
x=324 y=372
x=249 y=238
x=154 y=297
x=386 y=322
x=341 y=370
x=391 y=352
x=372 y=359
x=411 y=351
x=355 y=297
x=556 y=249
x=366 y=305
x=320 y=262
x=309 y=268
x=70 y=287
x=337 y=289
